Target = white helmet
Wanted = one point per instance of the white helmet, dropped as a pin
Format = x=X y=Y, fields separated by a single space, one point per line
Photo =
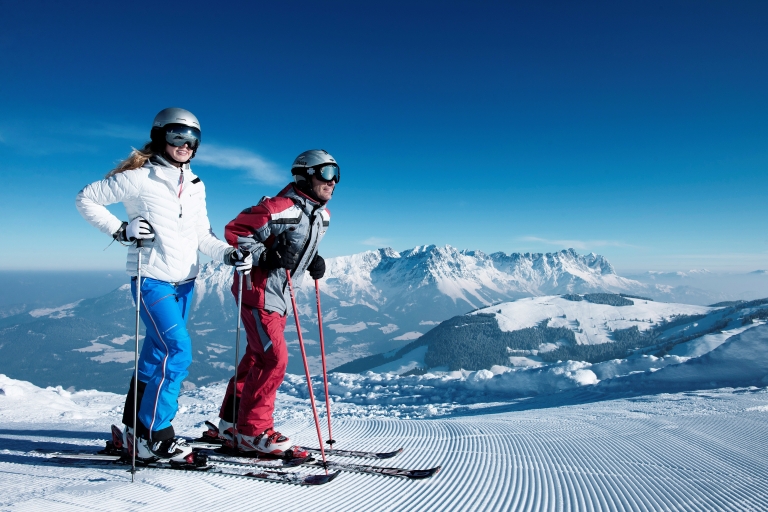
x=317 y=162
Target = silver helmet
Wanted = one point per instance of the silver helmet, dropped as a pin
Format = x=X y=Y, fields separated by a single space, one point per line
x=315 y=161
x=175 y=116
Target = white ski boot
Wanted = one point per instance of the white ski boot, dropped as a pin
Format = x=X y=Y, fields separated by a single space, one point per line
x=173 y=450
x=268 y=442
x=227 y=433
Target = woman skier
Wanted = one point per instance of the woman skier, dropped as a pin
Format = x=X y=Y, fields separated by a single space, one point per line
x=165 y=204
x=282 y=233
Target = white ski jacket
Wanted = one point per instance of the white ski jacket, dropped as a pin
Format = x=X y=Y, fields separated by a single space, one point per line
x=180 y=220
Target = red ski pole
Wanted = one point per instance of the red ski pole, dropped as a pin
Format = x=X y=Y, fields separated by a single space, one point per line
x=330 y=440
x=306 y=369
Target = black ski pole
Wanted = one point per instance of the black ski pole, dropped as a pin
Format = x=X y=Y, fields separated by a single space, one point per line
x=139 y=244
x=237 y=354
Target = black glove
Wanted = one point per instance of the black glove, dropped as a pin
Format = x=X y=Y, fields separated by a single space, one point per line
x=240 y=259
x=317 y=267
x=281 y=255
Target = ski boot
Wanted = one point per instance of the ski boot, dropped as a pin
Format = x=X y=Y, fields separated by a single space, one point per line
x=174 y=450
x=226 y=433
x=270 y=442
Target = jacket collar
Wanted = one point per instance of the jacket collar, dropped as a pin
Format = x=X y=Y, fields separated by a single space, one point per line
x=302 y=200
x=157 y=163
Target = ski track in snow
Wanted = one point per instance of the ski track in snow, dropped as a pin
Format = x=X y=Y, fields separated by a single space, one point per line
x=568 y=442
x=703 y=450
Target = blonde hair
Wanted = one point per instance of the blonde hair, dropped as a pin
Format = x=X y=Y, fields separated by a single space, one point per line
x=136 y=159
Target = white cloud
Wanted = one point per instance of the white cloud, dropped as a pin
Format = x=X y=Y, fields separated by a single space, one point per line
x=258 y=168
x=376 y=241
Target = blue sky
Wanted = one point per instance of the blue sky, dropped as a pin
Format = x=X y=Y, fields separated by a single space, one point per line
x=637 y=130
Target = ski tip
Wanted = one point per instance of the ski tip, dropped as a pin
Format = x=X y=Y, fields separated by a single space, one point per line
x=389 y=455
x=320 y=479
x=428 y=473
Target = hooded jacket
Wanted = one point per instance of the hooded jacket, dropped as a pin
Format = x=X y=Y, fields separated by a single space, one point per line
x=172 y=200
x=301 y=219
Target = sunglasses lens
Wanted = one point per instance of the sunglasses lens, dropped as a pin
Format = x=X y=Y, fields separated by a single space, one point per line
x=328 y=172
x=179 y=135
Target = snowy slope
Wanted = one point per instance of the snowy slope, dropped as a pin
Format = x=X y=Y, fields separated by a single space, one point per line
x=543 y=331
x=594 y=322
x=740 y=359
x=593 y=447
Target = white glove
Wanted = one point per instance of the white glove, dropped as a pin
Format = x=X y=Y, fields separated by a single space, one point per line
x=240 y=259
x=139 y=228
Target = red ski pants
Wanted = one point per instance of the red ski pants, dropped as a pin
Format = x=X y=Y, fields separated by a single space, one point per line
x=260 y=372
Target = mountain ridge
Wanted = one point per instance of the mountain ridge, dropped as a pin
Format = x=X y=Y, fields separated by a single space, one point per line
x=373 y=302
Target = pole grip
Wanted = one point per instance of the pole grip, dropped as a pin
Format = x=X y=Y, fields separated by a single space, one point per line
x=139 y=243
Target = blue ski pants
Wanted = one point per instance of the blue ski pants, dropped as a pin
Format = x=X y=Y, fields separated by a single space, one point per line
x=166 y=353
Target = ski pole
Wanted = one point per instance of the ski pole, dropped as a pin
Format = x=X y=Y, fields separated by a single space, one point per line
x=330 y=440
x=139 y=244
x=306 y=369
x=237 y=354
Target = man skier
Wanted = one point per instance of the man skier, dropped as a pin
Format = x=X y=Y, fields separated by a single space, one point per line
x=282 y=233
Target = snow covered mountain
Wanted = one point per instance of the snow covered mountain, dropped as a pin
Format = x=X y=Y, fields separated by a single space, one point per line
x=544 y=331
x=373 y=302
x=465 y=279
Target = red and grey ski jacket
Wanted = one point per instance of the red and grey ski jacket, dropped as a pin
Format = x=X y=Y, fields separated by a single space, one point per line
x=304 y=222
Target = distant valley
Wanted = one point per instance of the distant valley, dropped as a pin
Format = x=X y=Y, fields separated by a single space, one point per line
x=376 y=302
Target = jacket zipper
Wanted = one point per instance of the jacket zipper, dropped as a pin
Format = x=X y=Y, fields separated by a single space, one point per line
x=307 y=241
x=311 y=220
x=181 y=187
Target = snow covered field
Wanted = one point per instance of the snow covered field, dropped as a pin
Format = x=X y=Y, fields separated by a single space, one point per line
x=619 y=443
x=596 y=320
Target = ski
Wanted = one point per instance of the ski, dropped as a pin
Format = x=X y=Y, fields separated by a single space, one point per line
x=210 y=439
x=412 y=474
x=228 y=456
x=254 y=473
x=353 y=453
x=265 y=462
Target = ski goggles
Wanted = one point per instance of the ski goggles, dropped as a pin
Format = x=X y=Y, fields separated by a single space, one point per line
x=178 y=135
x=326 y=172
